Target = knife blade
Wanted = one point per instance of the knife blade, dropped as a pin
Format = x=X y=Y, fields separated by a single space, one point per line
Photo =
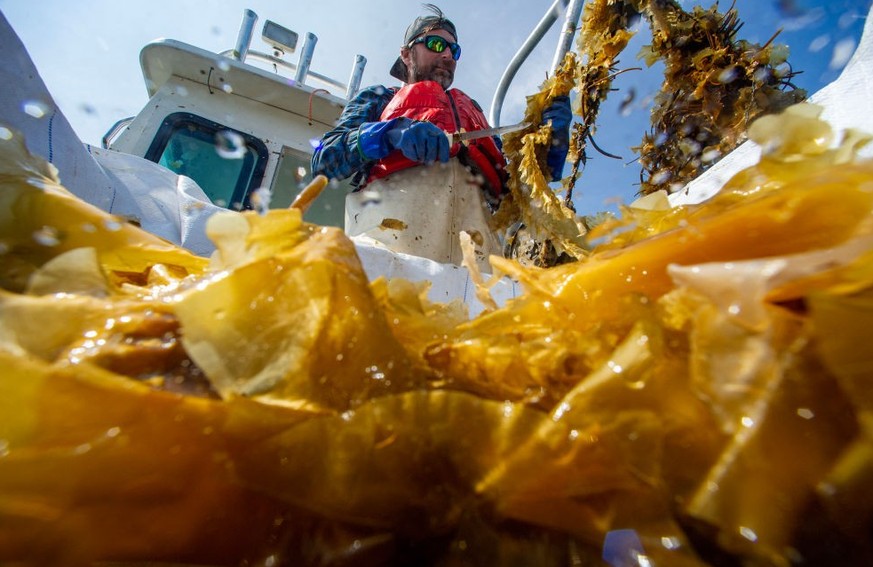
x=455 y=137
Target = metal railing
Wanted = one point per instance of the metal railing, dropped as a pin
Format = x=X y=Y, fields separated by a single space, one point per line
x=573 y=11
x=302 y=73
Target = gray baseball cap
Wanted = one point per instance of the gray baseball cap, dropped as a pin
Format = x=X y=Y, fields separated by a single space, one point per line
x=419 y=26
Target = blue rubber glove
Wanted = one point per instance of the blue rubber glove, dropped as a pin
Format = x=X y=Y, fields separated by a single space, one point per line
x=419 y=141
x=561 y=116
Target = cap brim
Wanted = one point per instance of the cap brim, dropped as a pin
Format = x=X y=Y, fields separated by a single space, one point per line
x=398 y=70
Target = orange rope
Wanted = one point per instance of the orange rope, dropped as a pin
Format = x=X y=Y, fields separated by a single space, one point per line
x=310 y=101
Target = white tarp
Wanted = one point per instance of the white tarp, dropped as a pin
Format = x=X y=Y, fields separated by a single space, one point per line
x=165 y=204
x=448 y=282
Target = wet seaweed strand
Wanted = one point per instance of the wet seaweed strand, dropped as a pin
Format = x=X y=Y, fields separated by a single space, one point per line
x=714 y=86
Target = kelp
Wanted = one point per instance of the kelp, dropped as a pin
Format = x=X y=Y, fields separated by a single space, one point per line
x=694 y=394
x=715 y=85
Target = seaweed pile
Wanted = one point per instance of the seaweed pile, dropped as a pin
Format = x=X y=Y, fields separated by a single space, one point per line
x=695 y=392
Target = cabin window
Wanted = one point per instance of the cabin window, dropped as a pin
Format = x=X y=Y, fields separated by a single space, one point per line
x=293 y=174
x=227 y=164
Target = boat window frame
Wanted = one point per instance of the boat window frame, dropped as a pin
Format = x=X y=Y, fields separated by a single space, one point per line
x=177 y=120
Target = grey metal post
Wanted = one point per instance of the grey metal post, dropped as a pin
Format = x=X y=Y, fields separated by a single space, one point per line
x=244 y=39
x=357 y=74
x=571 y=23
x=305 y=58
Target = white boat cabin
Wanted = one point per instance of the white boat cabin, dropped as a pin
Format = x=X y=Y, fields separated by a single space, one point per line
x=243 y=132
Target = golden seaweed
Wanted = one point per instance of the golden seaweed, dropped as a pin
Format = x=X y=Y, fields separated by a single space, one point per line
x=693 y=392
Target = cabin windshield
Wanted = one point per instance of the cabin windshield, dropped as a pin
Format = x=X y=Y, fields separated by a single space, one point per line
x=227 y=164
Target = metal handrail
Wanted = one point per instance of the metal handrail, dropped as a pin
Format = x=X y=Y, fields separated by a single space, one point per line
x=113 y=132
x=301 y=69
x=291 y=67
x=550 y=17
x=571 y=22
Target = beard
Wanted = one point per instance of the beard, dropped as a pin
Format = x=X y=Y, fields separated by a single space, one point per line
x=438 y=72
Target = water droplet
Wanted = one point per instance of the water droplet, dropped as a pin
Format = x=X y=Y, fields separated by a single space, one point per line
x=507 y=408
x=819 y=43
x=82 y=449
x=615 y=367
x=843 y=51
x=573 y=435
x=227 y=88
x=47 y=236
x=223 y=65
x=710 y=155
x=112 y=225
x=371 y=198
x=260 y=199
x=748 y=533
x=375 y=372
x=35 y=108
x=747 y=421
x=734 y=309
x=660 y=177
x=805 y=413
x=5 y=133
x=561 y=410
x=113 y=432
x=671 y=543
x=230 y=144
x=728 y=75
x=761 y=75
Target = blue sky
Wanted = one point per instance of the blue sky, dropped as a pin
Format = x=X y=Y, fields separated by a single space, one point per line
x=88 y=54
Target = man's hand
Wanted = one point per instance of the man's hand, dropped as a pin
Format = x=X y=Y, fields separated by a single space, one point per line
x=419 y=141
x=560 y=115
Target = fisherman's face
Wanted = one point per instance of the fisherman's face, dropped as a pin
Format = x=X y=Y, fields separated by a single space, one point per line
x=425 y=65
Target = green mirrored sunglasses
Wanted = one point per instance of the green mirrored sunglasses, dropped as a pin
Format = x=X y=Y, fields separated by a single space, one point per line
x=438 y=44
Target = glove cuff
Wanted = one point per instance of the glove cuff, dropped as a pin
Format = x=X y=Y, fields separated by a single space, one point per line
x=372 y=139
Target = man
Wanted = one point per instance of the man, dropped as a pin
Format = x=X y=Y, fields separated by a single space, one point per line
x=415 y=191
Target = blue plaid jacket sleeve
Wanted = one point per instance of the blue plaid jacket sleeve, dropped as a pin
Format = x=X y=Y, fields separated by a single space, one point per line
x=337 y=155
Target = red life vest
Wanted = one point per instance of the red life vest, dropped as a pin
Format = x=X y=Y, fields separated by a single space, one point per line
x=452 y=111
